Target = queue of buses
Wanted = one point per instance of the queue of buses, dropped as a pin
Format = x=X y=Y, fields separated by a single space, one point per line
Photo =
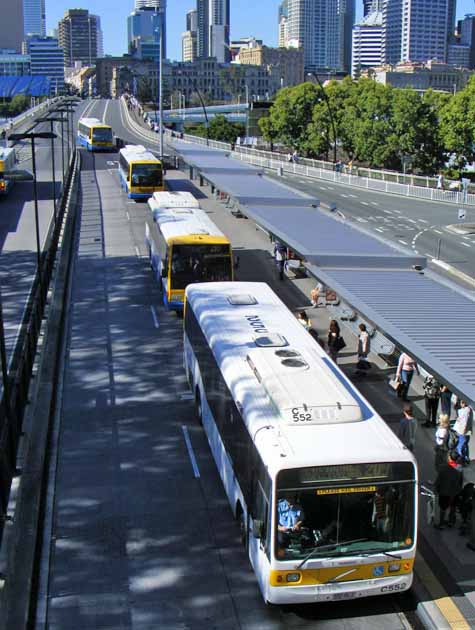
x=287 y=429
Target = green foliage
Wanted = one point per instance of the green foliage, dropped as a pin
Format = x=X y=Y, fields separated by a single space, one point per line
x=16 y=106
x=374 y=124
x=219 y=129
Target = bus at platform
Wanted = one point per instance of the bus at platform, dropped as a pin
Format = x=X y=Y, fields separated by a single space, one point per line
x=325 y=493
x=95 y=135
x=184 y=246
x=140 y=172
x=7 y=163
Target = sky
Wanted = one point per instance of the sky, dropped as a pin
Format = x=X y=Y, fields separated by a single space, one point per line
x=249 y=18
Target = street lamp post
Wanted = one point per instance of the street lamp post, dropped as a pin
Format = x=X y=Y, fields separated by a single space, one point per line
x=32 y=136
x=205 y=113
x=52 y=120
x=62 y=120
x=330 y=113
x=68 y=109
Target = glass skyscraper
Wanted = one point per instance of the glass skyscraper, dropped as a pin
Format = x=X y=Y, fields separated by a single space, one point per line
x=417 y=30
x=213 y=29
x=34 y=17
x=323 y=29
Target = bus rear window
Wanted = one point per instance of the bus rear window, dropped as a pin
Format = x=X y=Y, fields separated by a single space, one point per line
x=147 y=175
x=200 y=263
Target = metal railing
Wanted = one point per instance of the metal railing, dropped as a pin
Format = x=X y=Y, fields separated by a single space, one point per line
x=24 y=353
x=277 y=162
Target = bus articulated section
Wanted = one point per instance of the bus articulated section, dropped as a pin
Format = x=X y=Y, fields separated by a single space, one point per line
x=325 y=492
x=140 y=172
x=184 y=246
x=94 y=135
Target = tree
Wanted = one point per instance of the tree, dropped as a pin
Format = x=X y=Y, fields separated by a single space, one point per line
x=291 y=114
x=219 y=129
x=457 y=125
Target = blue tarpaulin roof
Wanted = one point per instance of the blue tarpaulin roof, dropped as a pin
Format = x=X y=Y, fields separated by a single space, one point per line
x=10 y=86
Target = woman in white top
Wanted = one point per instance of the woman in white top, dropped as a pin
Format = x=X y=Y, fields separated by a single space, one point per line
x=363 y=350
x=441 y=441
x=405 y=371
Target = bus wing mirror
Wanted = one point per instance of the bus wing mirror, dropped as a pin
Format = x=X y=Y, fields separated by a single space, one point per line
x=257 y=527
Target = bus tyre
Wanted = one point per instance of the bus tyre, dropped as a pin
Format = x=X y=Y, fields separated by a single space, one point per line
x=242 y=527
x=199 y=406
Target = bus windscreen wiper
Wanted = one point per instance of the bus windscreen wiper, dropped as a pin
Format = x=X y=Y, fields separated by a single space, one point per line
x=332 y=546
x=374 y=552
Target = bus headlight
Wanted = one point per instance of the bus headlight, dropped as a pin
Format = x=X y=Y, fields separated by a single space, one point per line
x=394 y=568
x=293 y=577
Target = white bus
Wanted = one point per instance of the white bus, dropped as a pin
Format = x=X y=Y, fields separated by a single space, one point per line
x=297 y=445
x=140 y=172
x=184 y=245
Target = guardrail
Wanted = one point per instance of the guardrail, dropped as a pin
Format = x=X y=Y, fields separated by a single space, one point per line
x=267 y=159
x=21 y=365
x=29 y=113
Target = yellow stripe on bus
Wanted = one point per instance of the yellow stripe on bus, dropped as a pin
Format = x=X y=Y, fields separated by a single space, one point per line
x=448 y=608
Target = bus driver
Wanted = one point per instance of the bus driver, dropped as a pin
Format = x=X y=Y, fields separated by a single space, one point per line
x=291 y=517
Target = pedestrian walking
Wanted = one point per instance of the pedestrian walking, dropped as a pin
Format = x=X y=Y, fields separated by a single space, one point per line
x=335 y=341
x=448 y=484
x=289 y=157
x=463 y=428
x=363 y=350
x=440 y=182
x=280 y=257
x=431 y=396
x=315 y=294
x=302 y=317
x=407 y=428
x=405 y=372
x=445 y=400
x=442 y=442
x=295 y=157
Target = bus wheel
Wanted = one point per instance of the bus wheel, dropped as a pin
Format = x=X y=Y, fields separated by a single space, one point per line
x=199 y=407
x=242 y=526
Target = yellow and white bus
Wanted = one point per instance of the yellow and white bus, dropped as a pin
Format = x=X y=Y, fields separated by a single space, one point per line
x=140 y=172
x=7 y=163
x=95 y=135
x=184 y=246
x=297 y=446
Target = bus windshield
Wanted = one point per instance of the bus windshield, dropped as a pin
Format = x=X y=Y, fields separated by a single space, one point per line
x=101 y=134
x=200 y=263
x=365 y=516
x=146 y=175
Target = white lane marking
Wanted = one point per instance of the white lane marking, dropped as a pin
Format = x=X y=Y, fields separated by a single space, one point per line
x=438 y=232
x=403 y=242
x=379 y=230
x=127 y=215
x=330 y=188
x=132 y=203
x=137 y=253
x=388 y=211
x=105 y=112
x=323 y=187
x=365 y=203
x=361 y=220
x=398 y=211
x=412 y=221
x=466 y=238
x=466 y=244
x=156 y=323
x=375 y=203
x=302 y=181
x=428 y=255
x=343 y=195
x=423 y=221
x=191 y=454
x=354 y=196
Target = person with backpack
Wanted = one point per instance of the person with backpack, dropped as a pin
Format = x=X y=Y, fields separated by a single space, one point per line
x=431 y=396
x=335 y=341
x=463 y=429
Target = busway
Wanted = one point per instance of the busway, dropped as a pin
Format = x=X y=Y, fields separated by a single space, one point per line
x=393 y=291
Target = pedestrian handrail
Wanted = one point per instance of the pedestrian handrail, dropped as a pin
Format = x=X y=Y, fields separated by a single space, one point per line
x=352 y=177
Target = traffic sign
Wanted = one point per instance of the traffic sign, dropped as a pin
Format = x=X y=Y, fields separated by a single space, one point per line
x=461 y=214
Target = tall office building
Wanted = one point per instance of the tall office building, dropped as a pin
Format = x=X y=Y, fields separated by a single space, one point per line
x=467 y=36
x=143 y=32
x=34 y=17
x=213 y=29
x=100 y=37
x=417 y=30
x=367 y=43
x=46 y=59
x=369 y=6
x=78 y=37
x=323 y=29
x=284 y=24
x=189 y=39
x=11 y=26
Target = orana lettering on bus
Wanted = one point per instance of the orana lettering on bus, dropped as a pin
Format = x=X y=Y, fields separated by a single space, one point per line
x=256 y=323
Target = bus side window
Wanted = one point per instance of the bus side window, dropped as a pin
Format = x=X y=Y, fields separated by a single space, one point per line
x=260 y=514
